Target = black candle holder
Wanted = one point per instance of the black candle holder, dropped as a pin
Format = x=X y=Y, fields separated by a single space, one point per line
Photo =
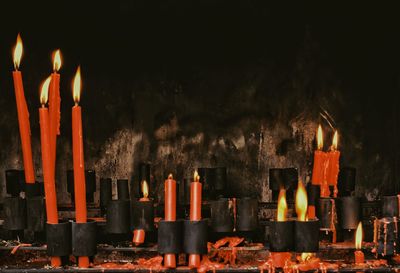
x=386 y=236
x=222 y=215
x=346 y=181
x=84 y=239
x=247 y=214
x=313 y=193
x=326 y=213
x=118 y=217
x=349 y=211
x=105 y=193
x=391 y=206
x=306 y=237
x=195 y=237
x=207 y=178
x=90 y=183
x=220 y=182
x=123 y=189
x=286 y=178
x=281 y=236
x=142 y=215
x=170 y=237
x=15 y=182
x=58 y=239
x=14 y=213
x=144 y=174
x=36 y=213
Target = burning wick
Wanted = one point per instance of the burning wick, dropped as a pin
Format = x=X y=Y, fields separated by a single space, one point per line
x=358 y=254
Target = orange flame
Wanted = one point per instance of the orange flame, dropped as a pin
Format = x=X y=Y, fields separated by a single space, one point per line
x=56 y=60
x=76 y=86
x=320 y=138
x=282 y=206
x=335 y=141
x=145 y=189
x=44 y=93
x=305 y=256
x=196 y=176
x=301 y=202
x=18 y=52
x=170 y=176
x=359 y=235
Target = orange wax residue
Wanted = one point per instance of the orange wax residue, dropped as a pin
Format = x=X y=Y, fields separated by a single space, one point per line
x=280 y=259
x=226 y=256
x=311 y=212
x=359 y=257
x=207 y=265
x=154 y=263
x=268 y=266
x=231 y=241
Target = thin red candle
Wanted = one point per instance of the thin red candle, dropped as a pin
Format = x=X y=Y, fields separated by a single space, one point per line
x=333 y=164
x=48 y=175
x=170 y=213
x=54 y=105
x=23 y=115
x=78 y=160
x=195 y=213
x=319 y=160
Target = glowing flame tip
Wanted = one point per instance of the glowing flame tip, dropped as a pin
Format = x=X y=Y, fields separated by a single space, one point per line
x=320 y=138
x=301 y=202
x=196 y=176
x=145 y=189
x=359 y=235
x=76 y=86
x=44 y=93
x=56 y=60
x=335 y=140
x=282 y=206
x=18 y=52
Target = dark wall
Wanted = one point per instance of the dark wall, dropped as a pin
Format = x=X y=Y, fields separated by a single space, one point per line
x=183 y=84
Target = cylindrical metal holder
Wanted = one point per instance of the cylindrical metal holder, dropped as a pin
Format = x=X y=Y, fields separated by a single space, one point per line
x=349 y=211
x=118 y=217
x=58 y=239
x=14 y=213
x=313 y=193
x=306 y=236
x=276 y=179
x=142 y=215
x=15 y=182
x=346 y=181
x=391 y=206
x=326 y=213
x=286 y=178
x=221 y=215
x=33 y=189
x=105 y=193
x=207 y=178
x=281 y=236
x=123 y=189
x=90 y=182
x=386 y=235
x=186 y=186
x=290 y=178
x=170 y=237
x=220 y=181
x=195 y=237
x=247 y=214
x=36 y=213
x=84 y=239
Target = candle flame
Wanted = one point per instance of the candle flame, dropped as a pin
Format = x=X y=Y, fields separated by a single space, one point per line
x=301 y=202
x=56 y=60
x=76 y=86
x=335 y=141
x=196 y=176
x=44 y=93
x=18 y=52
x=282 y=206
x=170 y=176
x=320 y=138
x=145 y=189
x=359 y=235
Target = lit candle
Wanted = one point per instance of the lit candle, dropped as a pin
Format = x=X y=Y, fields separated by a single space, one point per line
x=54 y=105
x=195 y=213
x=139 y=234
x=23 y=115
x=358 y=254
x=48 y=175
x=333 y=164
x=78 y=160
x=170 y=213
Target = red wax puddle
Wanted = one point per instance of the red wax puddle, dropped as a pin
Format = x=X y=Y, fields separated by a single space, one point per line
x=151 y=264
x=225 y=256
x=15 y=248
x=314 y=263
x=207 y=265
x=231 y=241
x=280 y=259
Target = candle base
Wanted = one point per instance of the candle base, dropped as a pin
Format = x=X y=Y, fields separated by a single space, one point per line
x=169 y=261
x=359 y=257
x=138 y=236
x=279 y=259
x=194 y=261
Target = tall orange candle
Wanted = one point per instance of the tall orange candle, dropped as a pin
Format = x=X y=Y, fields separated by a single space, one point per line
x=48 y=175
x=23 y=115
x=170 y=213
x=140 y=234
x=319 y=160
x=195 y=213
x=333 y=164
x=78 y=160
x=54 y=105
x=358 y=254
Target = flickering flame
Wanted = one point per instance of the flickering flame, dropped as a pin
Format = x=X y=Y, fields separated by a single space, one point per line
x=145 y=189
x=56 y=60
x=282 y=206
x=335 y=140
x=320 y=138
x=76 y=86
x=170 y=176
x=359 y=235
x=301 y=202
x=44 y=91
x=305 y=256
x=18 y=52
x=196 y=176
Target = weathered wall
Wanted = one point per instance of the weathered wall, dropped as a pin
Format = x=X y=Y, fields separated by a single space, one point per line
x=221 y=100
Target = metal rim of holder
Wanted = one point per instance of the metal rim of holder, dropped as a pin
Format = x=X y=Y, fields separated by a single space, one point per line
x=170 y=237
x=195 y=236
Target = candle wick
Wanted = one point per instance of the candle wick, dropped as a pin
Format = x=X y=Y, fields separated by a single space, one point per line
x=43 y=105
x=76 y=103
